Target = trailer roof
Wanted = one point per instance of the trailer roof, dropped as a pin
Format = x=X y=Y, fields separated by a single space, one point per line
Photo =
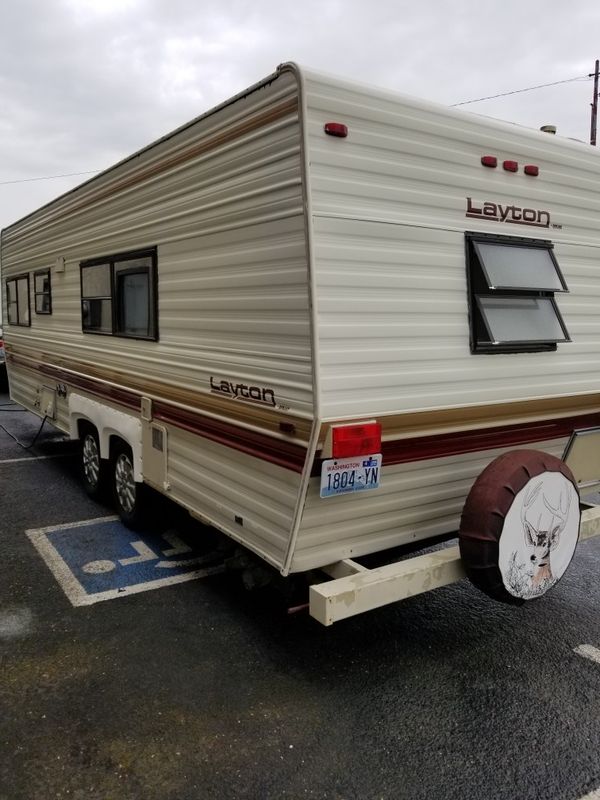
x=308 y=74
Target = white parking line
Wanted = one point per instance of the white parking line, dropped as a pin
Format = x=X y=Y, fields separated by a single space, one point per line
x=33 y=458
x=593 y=653
x=81 y=524
x=595 y=795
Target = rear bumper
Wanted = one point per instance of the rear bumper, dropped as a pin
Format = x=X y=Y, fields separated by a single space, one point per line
x=362 y=589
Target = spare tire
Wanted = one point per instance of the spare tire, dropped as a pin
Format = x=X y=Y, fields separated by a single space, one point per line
x=520 y=525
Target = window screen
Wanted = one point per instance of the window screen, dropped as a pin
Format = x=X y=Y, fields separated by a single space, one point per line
x=512 y=281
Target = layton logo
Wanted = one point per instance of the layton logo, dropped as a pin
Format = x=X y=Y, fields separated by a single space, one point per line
x=516 y=215
x=241 y=391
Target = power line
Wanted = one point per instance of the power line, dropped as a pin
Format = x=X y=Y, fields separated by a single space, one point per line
x=518 y=91
x=50 y=177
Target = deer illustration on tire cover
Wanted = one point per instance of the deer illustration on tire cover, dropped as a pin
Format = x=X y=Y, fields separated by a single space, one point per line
x=520 y=525
x=543 y=536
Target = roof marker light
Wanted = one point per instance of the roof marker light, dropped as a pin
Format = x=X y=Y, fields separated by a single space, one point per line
x=336 y=129
x=531 y=169
x=356 y=440
x=511 y=166
x=489 y=161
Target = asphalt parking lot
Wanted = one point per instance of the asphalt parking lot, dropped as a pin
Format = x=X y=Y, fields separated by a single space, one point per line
x=188 y=686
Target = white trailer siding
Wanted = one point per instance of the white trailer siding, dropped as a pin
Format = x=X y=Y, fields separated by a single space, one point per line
x=394 y=333
x=331 y=272
x=231 y=216
x=416 y=501
x=252 y=500
x=389 y=206
x=222 y=201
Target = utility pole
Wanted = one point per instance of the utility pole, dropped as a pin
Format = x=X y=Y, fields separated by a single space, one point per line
x=594 y=103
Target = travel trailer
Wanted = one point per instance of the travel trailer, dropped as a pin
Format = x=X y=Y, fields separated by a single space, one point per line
x=330 y=320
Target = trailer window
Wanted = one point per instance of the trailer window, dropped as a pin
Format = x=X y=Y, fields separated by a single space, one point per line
x=17 y=301
x=133 y=293
x=518 y=267
x=96 y=298
x=118 y=295
x=42 y=292
x=512 y=282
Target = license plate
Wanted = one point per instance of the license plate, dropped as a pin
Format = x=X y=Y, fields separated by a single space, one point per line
x=344 y=475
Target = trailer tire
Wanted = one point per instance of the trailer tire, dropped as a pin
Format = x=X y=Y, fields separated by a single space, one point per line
x=130 y=497
x=520 y=525
x=93 y=467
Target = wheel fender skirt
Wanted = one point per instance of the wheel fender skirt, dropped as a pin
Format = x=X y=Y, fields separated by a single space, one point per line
x=108 y=422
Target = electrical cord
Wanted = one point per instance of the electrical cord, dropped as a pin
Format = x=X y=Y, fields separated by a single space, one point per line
x=33 y=441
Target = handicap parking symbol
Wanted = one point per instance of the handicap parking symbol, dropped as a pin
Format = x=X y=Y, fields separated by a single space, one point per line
x=101 y=559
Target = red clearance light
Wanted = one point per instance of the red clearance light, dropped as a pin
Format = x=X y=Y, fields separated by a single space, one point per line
x=489 y=161
x=336 y=129
x=510 y=166
x=531 y=169
x=356 y=440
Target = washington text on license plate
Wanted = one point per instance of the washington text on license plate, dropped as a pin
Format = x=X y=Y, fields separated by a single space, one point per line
x=343 y=475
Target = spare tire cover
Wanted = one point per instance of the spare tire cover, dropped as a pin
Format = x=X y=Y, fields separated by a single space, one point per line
x=520 y=525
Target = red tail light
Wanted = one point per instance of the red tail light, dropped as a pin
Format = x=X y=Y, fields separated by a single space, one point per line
x=336 y=129
x=510 y=166
x=356 y=440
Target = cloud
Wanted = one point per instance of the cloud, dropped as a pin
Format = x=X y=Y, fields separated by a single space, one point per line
x=84 y=83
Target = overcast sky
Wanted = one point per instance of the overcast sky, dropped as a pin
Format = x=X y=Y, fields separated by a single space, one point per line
x=84 y=83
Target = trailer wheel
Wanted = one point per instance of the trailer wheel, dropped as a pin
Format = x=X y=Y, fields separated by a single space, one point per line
x=93 y=469
x=520 y=525
x=129 y=496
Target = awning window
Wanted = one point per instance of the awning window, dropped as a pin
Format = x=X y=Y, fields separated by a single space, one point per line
x=519 y=267
x=512 y=282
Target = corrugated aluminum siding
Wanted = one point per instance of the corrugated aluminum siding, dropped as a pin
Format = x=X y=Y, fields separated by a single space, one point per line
x=415 y=501
x=230 y=232
x=222 y=200
x=389 y=207
x=222 y=486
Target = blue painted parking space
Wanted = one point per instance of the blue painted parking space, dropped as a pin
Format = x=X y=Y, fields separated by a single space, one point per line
x=101 y=559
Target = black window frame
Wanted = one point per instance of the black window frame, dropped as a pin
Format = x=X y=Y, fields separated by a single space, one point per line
x=115 y=296
x=478 y=285
x=36 y=294
x=23 y=277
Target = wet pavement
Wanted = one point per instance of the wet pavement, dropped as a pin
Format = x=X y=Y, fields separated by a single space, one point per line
x=199 y=689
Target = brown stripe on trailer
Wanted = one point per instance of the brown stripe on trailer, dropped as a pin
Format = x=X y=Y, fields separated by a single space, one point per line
x=112 y=384
x=441 y=445
x=262 y=445
x=421 y=448
x=490 y=415
x=285 y=454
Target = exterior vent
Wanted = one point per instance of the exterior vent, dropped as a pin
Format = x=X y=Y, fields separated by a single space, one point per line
x=157 y=439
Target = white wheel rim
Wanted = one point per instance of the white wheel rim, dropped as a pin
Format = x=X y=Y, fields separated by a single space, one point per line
x=91 y=460
x=125 y=483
